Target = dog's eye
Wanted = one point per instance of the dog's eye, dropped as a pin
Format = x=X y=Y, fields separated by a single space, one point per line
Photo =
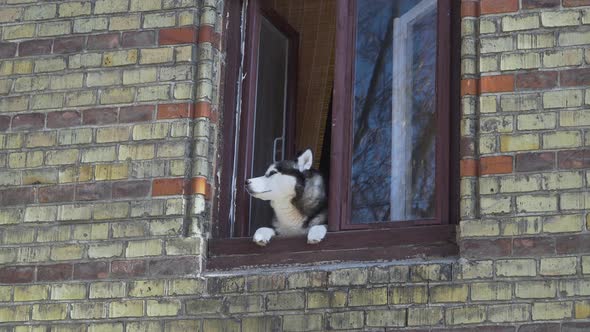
x=271 y=173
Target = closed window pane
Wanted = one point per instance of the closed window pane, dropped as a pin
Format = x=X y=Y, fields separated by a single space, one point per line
x=394 y=131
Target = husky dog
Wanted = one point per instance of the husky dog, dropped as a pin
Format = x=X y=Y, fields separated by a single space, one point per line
x=297 y=195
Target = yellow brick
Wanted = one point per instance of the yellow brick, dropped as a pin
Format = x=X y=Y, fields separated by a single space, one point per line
x=492 y=205
x=516 y=268
x=31 y=293
x=560 y=18
x=522 y=22
x=509 y=313
x=106 y=290
x=448 y=293
x=574 y=38
x=150 y=131
x=574 y=118
x=520 y=183
x=128 y=22
x=111 y=172
x=491 y=291
x=521 y=142
x=105 y=327
x=558 y=266
x=520 y=61
x=110 y=6
x=75 y=136
x=73 y=212
x=562 y=98
x=55 y=311
x=159 y=20
x=535 y=289
x=111 y=210
x=136 y=152
x=563 y=180
x=103 y=78
x=119 y=58
x=552 y=310
x=112 y=134
x=465 y=315
x=496 y=44
x=54 y=28
x=185 y=53
x=536 y=203
x=364 y=297
x=582 y=309
x=145 y=5
x=40 y=213
x=85 y=25
x=496 y=124
x=69 y=252
x=562 y=139
x=68 y=292
x=156 y=55
x=44 y=101
x=521 y=226
x=81 y=98
x=150 y=93
x=86 y=60
x=186 y=287
x=144 y=248
x=5 y=291
x=90 y=232
x=137 y=76
x=145 y=288
x=488 y=104
x=61 y=157
x=74 y=9
x=19 y=313
x=8 y=15
x=18 y=31
x=536 y=121
x=132 y=308
x=105 y=250
x=117 y=96
x=552 y=59
x=424 y=316
x=535 y=40
x=163 y=307
x=41 y=139
x=75 y=174
x=475 y=270
x=90 y=310
x=99 y=154
x=580 y=287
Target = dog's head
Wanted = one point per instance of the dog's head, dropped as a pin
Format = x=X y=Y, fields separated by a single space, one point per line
x=281 y=179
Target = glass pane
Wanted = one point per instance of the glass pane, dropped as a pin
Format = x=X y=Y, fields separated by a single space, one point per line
x=393 y=161
x=270 y=111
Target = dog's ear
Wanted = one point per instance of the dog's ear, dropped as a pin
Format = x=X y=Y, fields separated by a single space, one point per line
x=305 y=160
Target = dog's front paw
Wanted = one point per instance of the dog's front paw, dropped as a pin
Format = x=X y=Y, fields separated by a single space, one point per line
x=316 y=234
x=263 y=236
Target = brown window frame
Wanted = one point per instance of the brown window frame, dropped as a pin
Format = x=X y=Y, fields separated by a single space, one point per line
x=346 y=241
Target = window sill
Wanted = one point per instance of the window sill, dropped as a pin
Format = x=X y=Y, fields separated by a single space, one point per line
x=347 y=246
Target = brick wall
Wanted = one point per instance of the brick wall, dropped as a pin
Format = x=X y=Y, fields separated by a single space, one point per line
x=108 y=138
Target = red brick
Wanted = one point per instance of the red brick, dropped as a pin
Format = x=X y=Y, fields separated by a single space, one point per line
x=103 y=42
x=166 y=187
x=535 y=161
x=469 y=9
x=486 y=248
x=68 y=45
x=499 y=83
x=100 y=116
x=131 y=189
x=63 y=119
x=138 y=38
x=469 y=87
x=536 y=80
x=123 y=269
x=574 y=159
x=200 y=186
x=136 y=114
x=496 y=165
x=575 y=327
x=498 y=6
x=575 y=77
x=174 y=111
x=34 y=47
x=17 y=196
x=91 y=271
x=468 y=167
x=532 y=246
x=17 y=274
x=573 y=244
x=175 y=36
x=208 y=35
x=534 y=4
x=29 y=121
x=174 y=266
x=576 y=3
x=93 y=191
x=7 y=50
x=4 y=122
x=55 y=194
x=56 y=272
x=202 y=109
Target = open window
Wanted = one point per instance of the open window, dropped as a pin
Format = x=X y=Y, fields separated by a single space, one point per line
x=368 y=85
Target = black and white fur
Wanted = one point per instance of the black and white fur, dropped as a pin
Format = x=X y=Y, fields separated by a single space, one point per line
x=297 y=195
